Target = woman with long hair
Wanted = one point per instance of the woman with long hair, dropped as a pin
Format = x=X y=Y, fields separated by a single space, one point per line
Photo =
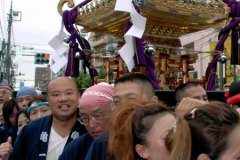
x=207 y=132
x=138 y=131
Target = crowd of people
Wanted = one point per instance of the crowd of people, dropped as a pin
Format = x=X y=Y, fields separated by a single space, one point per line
x=120 y=121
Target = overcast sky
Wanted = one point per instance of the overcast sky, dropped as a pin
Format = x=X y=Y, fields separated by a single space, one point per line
x=40 y=22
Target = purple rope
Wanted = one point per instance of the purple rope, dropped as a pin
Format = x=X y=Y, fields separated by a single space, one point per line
x=141 y=59
x=72 y=61
x=223 y=34
x=146 y=61
x=72 y=69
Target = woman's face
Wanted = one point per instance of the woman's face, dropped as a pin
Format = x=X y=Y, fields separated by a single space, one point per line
x=24 y=101
x=232 y=152
x=22 y=121
x=155 y=149
x=13 y=117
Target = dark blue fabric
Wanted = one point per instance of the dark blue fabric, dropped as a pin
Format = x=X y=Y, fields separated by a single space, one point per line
x=30 y=145
x=6 y=132
x=2 y=126
x=97 y=151
x=12 y=132
x=3 y=134
x=77 y=149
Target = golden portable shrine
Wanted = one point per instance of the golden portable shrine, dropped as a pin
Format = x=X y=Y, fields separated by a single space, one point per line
x=166 y=21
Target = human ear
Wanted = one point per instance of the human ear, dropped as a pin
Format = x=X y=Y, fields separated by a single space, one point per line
x=203 y=156
x=141 y=151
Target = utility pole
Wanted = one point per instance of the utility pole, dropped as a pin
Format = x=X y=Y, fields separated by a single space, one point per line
x=2 y=59
x=8 y=60
x=8 y=65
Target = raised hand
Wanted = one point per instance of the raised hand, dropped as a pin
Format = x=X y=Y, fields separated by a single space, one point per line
x=186 y=105
x=6 y=149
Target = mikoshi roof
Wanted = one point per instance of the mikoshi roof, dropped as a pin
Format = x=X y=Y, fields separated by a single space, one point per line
x=167 y=20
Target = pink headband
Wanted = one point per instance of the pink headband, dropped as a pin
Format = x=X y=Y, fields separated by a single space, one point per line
x=100 y=93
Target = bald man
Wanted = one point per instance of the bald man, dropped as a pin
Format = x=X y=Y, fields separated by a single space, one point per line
x=45 y=138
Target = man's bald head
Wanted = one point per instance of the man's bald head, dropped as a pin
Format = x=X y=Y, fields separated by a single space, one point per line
x=63 y=81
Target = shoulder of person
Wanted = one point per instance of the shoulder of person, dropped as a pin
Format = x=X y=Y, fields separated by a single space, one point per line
x=100 y=143
x=102 y=138
x=37 y=124
x=81 y=140
x=77 y=148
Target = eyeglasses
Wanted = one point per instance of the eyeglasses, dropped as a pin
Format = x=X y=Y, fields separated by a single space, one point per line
x=97 y=117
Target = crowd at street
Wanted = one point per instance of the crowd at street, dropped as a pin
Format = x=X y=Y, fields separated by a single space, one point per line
x=120 y=121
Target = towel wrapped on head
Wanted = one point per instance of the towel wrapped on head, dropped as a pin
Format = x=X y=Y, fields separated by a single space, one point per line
x=100 y=93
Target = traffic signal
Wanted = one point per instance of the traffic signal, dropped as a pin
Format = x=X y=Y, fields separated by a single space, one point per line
x=41 y=58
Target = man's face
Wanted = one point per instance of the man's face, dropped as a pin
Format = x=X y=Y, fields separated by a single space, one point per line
x=129 y=91
x=63 y=98
x=97 y=118
x=5 y=95
x=197 y=92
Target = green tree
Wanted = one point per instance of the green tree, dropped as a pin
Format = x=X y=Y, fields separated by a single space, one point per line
x=83 y=80
x=101 y=73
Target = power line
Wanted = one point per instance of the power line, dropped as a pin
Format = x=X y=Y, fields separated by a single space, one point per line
x=36 y=50
x=28 y=43
x=208 y=35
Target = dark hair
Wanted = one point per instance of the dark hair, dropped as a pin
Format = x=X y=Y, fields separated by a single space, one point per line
x=205 y=129
x=180 y=90
x=143 y=120
x=7 y=111
x=140 y=78
x=38 y=98
x=22 y=112
x=129 y=127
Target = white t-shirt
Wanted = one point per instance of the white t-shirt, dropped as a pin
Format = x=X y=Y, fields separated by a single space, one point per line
x=55 y=145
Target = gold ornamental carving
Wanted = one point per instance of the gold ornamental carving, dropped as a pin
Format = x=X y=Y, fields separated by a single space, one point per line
x=166 y=19
x=61 y=3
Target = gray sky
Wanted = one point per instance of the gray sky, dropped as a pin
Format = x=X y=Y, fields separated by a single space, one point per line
x=40 y=22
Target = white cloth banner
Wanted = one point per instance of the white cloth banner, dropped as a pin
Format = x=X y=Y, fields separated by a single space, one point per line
x=58 y=56
x=137 y=29
x=60 y=61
